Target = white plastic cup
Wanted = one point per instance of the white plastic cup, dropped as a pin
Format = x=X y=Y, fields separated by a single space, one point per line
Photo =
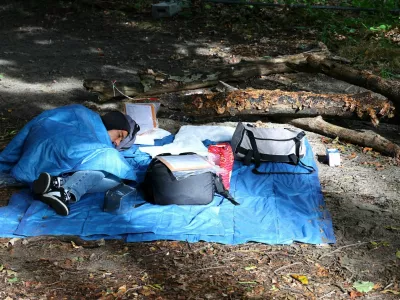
x=333 y=156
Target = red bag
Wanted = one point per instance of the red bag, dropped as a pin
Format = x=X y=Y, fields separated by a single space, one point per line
x=222 y=156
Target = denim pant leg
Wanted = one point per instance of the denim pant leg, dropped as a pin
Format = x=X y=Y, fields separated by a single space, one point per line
x=83 y=182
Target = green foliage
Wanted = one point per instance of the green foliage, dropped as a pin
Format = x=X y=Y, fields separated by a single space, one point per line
x=382 y=27
x=388 y=4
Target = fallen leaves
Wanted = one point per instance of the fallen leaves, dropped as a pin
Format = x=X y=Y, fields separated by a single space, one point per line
x=353 y=155
x=355 y=294
x=122 y=290
x=376 y=245
x=392 y=228
x=363 y=286
x=12 y=280
x=390 y=292
x=301 y=278
x=378 y=166
x=146 y=291
x=11 y=275
x=321 y=271
x=67 y=264
x=75 y=246
x=366 y=149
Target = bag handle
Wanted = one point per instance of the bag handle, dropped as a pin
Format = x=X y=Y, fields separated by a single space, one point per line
x=294 y=158
x=255 y=154
x=297 y=142
x=220 y=189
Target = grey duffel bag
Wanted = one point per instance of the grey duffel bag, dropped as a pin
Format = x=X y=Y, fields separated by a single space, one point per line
x=250 y=144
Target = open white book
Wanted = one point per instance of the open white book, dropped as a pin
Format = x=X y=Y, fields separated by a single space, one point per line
x=144 y=114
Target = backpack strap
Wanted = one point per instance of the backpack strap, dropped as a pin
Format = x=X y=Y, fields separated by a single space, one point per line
x=297 y=142
x=220 y=189
x=253 y=143
x=248 y=157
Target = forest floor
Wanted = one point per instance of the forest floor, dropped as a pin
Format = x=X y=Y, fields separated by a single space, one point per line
x=49 y=48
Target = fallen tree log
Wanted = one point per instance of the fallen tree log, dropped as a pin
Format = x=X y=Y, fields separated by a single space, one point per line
x=365 y=139
x=156 y=83
x=385 y=87
x=250 y=102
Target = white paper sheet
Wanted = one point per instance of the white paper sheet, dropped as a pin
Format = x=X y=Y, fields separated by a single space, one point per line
x=149 y=137
x=185 y=162
x=144 y=114
x=189 y=139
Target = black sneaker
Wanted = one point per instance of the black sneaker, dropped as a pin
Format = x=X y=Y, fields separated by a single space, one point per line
x=46 y=183
x=57 y=200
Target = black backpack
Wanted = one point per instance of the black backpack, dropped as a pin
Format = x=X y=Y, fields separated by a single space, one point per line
x=161 y=187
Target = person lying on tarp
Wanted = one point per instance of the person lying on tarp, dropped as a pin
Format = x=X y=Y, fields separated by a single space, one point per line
x=69 y=151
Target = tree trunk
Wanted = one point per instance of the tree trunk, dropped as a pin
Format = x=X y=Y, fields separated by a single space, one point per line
x=365 y=139
x=388 y=88
x=250 y=102
x=156 y=83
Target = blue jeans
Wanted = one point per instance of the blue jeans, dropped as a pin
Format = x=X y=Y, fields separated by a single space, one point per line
x=83 y=182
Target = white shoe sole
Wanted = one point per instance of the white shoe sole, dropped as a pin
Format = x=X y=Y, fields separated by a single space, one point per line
x=55 y=203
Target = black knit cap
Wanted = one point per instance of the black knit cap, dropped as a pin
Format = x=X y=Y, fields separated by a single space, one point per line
x=116 y=120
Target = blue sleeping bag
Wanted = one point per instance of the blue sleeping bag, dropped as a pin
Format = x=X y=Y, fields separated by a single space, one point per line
x=62 y=140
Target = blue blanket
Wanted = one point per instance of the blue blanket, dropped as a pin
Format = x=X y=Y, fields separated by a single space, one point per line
x=275 y=209
x=63 y=140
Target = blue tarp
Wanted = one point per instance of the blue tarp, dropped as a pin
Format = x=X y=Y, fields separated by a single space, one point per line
x=275 y=209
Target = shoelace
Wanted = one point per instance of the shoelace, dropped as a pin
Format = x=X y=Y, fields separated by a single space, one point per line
x=58 y=182
x=69 y=198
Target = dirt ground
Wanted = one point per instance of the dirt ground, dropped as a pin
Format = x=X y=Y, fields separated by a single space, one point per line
x=46 y=53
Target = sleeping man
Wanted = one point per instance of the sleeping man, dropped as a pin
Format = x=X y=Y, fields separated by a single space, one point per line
x=69 y=151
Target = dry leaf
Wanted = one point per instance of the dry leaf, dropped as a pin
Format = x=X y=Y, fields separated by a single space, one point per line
x=391 y=292
x=321 y=271
x=325 y=140
x=366 y=149
x=377 y=286
x=74 y=245
x=67 y=263
x=352 y=155
x=355 y=294
x=274 y=288
x=11 y=273
x=301 y=278
x=146 y=291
